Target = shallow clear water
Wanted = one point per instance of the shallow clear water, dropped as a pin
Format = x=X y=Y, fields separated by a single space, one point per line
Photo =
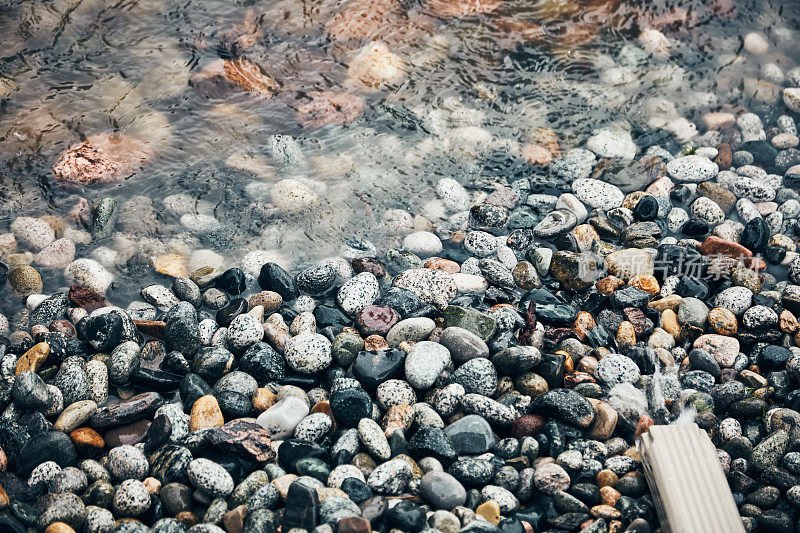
x=475 y=88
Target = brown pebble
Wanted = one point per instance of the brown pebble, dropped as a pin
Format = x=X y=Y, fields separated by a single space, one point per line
x=626 y=335
x=445 y=265
x=605 y=511
x=536 y=154
x=263 y=399
x=583 y=324
x=490 y=511
x=87 y=441
x=25 y=280
x=669 y=322
x=398 y=417
x=609 y=495
x=205 y=413
x=33 y=359
x=172 y=265
x=722 y=321
x=717 y=193
x=605 y=420
x=587 y=364
x=131 y=434
x=369 y=264
x=86 y=298
x=57 y=223
x=788 y=322
x=527 y=425
x=724 y=156
x=152 y=328
x=64 y=327
x=576 y=378
x=642 y=426
x=282 y=483
x=59 y=527
x=233 y=520
x=668 y=302
x=187 y=519
x=606 y=478
x=375 y=343
x=152 y=485
x=609 y=284
x=5 y=501
x=645 y=282
x=271 y=301
x=353 y=524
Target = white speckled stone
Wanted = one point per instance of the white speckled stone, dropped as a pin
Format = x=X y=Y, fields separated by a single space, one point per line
x=358 y=292
x=692 y=168
x=597 y=194
x=431 y=286
x=373 y=439
x=608 y=142
x=342 y=472
x=391 y=477
x=424 y=362
x=88 y=273
x=480 y=243
x=209 y=477
x=453 y=195
x=422 y=243
x=32 y=233
x=313 y=427
x=735 y=299
x=244 y=331
x=395 y=392
x=708 y=210
x=132 y=498
x=127 y=462
x=308 y=353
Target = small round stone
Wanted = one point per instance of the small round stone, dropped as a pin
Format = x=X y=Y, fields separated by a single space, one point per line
x=308 y=353
x=127 y=462
x=131 y=498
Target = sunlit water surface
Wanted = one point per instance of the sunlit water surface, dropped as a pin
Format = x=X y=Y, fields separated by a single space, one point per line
x=475 y=88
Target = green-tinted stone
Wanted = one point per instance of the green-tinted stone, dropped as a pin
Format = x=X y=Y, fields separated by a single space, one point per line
x=522 y=217
x=105 y=215
x=99 y=493
x=248 y=487
x=346 y=347
x=400 y=261
x=588 y=390
x=311 y=466
x=531 y=384
x=474 y=321
x=204 y=276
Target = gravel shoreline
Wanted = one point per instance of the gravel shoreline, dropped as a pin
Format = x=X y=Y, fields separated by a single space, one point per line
x=491 y=373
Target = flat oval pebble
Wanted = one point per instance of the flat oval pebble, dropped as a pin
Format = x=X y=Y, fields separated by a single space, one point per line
x=209 y=477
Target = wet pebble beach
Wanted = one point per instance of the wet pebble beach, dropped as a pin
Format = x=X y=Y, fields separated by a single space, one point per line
x=296 y=339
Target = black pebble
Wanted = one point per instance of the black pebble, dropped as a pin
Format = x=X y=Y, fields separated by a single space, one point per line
x=274 y=278
x=646 y=209
x=231 y=281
